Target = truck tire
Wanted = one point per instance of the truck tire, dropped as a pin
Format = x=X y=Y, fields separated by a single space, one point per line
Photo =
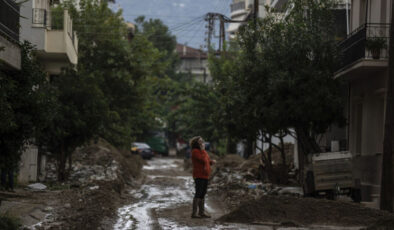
x=356 y=195
x=309 y=186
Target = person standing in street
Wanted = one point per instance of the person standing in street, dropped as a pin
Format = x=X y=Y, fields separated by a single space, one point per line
x=201 y=172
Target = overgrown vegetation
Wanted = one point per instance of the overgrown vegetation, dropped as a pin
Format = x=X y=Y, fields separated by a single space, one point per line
x=278 y=77
x=9 y=223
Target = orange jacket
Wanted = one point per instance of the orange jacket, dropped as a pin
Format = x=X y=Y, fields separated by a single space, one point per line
x=201 y=164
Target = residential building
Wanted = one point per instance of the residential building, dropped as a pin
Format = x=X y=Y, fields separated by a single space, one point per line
x=51 y=32
x=241 y=10
x=10 y=53
x=195 y=62
x=365 y=69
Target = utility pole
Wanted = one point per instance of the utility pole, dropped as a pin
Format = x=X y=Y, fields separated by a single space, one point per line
x=222 y=38
x=211 y=18
x=256 y=10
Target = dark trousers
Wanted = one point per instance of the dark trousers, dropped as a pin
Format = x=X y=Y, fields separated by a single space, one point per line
x=10 y=174
x=201 y=187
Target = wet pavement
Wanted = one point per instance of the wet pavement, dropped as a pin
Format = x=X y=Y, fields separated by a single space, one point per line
x=164 y=202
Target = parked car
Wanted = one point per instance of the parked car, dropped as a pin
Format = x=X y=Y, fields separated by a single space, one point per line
x=158 y=145
x=143 y=149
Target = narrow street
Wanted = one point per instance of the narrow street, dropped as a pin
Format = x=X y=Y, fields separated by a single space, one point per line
x=163 y=202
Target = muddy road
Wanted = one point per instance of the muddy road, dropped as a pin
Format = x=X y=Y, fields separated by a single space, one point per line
x=164 y=202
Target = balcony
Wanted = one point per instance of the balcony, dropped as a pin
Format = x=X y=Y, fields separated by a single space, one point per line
x=356 y=58
x=237 y=6
x=9 y=34
x=238 y=9
x=61 y=43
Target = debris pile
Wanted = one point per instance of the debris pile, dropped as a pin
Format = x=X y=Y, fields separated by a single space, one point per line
x=236 y=180
x=307 y=211
x=98 y=176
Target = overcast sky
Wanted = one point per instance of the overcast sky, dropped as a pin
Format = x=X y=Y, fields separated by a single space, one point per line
x=183 y=17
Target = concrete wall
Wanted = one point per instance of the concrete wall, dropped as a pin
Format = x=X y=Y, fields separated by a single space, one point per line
x=367 y=114
x=11 y=55
x=369 y=11
x=28 y=167
x=35 y=35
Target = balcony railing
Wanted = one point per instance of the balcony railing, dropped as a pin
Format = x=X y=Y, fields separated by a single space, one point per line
x=9 y=19
x=237 y=6
x=51 y=19
x=39 y=18
x=354 y=47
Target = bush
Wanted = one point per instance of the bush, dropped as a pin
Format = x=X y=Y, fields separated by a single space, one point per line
x=9 y=223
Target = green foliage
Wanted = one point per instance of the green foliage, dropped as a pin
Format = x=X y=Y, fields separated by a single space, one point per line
x=282 y=75
x=57 y=18
x=162 y=39
x=375 y=43
x=119 y=69
x=23 y=105
x=78 y=114
x=9 y=223
x=194 y=113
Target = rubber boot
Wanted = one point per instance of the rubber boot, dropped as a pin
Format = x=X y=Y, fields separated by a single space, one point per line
x=201 y=213
x=195 y=206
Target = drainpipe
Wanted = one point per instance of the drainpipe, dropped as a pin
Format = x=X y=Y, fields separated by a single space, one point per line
x=347 y=18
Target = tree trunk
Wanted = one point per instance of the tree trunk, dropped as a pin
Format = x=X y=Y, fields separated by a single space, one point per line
x=269 y=153
x=283 y=151
x=387 y=185
x=61 y=165
x=231 y=146
x=70 y=164
x=306 y=145
x=249 y=148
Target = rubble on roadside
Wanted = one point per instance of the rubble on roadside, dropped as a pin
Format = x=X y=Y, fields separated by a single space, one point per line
x=235 y=186
x=235 y=180
x=94 y=189
x=308 y=211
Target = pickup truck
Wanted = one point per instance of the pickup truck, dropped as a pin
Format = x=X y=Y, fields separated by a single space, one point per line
x=330 y=175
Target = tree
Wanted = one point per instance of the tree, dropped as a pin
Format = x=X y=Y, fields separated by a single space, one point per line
x=162 y=39
x=24 y=106
x=119 y=68
x=387 y=184
x=270 y=85
x=77 y=117
x=104 y=95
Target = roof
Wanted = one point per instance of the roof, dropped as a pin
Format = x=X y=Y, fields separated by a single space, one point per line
x=190 y=52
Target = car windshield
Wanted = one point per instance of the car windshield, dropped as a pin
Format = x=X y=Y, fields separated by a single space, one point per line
x=141 y=145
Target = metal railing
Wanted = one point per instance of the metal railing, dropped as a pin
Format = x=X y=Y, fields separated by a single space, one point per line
x=50 y=19
x=9 y=19
x=237 y=6
x=39 y=17
x=354 y=47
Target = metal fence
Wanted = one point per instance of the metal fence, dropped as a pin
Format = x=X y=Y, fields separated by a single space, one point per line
x=9 y=19
x=354 y=47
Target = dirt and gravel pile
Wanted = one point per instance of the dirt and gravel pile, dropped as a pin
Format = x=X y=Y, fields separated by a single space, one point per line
x=235 y=181
x=97 y=180
x=307 y=211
